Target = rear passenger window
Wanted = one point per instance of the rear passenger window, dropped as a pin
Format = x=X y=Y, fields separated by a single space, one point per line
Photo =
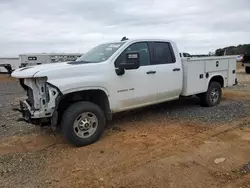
x=162 y=53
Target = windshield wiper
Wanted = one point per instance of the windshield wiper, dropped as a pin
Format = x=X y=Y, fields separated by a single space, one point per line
x=79 y=62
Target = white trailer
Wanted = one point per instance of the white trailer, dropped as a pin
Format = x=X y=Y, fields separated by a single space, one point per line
x=45 y=58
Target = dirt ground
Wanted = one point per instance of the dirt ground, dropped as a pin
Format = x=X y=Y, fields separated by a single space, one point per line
x=6 y=78
x=147 y=148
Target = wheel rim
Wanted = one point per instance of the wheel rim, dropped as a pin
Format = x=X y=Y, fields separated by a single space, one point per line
x=214 y=96
x=85 y=125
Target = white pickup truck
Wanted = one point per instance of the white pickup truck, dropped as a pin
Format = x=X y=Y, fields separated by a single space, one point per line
x=81 y=96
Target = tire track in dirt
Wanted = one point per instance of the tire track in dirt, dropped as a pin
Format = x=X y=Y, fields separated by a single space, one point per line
x=185 y=137
x=128 y=164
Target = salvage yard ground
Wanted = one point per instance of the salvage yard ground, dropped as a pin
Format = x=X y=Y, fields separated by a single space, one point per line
x=176 y=144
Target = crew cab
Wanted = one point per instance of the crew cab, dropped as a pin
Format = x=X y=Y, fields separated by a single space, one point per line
x=80 y=96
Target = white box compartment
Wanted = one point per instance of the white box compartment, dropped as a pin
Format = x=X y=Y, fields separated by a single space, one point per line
x=195 y=71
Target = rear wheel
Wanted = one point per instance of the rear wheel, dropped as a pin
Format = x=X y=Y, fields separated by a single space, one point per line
x=83 y=123
x=247 y=69
x=213 y=95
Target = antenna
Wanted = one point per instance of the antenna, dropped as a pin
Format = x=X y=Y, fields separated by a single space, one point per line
x=124 y=38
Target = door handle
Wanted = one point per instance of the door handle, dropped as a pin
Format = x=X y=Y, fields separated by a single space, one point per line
x=176 y=69
x=151 y=72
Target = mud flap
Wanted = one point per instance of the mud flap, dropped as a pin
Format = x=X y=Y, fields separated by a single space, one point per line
x=236 y=82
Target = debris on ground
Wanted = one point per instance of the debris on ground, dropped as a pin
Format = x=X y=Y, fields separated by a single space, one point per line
x=219 y=160
x=245 y=169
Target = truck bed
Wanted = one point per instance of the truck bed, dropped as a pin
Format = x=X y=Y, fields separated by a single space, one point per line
x=199 y=71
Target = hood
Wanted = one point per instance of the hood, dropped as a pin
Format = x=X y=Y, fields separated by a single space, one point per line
x=30 y=71
x=57 y=71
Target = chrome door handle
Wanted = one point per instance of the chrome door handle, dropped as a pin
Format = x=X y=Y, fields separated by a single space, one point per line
x=151 y=72
x=176 y=69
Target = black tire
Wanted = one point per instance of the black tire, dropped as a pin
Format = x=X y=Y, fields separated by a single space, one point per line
x=207 y=100
x=200 y=95
x=70 y=116
x=247 y=69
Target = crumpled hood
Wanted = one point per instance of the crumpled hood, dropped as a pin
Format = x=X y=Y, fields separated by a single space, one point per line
x=29 y=72
x=61 y=72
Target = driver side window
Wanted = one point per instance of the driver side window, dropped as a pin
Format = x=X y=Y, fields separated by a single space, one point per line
x=141 y=48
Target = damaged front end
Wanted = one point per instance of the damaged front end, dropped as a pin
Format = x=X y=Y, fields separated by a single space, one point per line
x=40 y=105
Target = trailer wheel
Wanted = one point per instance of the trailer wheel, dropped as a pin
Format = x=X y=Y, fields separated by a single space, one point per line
x=213 y=95
x=83 y=123
x=247 y=69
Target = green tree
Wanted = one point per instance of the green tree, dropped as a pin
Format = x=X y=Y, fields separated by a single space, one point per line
x=234 y=50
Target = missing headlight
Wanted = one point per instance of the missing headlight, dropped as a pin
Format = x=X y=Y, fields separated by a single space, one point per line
x=47 y=93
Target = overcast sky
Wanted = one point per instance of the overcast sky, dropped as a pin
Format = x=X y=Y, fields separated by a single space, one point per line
x=197 y=26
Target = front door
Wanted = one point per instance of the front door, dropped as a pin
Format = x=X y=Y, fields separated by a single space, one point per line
x=136 y=87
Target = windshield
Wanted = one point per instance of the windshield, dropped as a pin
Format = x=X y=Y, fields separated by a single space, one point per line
x=100 y=53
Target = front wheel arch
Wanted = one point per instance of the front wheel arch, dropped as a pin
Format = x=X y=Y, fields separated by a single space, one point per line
x=97 y=96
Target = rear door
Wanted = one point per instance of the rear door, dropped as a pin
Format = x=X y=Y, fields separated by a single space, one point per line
x=168 y=71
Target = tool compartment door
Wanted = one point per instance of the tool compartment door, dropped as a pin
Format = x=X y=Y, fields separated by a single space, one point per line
x=194 y=80
x=231 y=72
x=213 y=65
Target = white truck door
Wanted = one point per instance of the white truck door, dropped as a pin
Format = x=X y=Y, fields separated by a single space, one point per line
x=168 y=71
x=135 y=88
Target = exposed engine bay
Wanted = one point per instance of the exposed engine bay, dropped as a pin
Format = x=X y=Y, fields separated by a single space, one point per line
x=41 y=98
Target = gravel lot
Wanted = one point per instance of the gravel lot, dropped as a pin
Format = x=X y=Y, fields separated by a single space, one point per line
x=168 y=145
x=11 y=92
x=186 y=108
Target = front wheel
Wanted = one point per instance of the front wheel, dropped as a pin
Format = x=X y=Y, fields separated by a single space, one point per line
x=213 y=95
x=83 y=123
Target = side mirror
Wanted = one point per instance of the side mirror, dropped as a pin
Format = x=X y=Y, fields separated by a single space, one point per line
x=132 y=61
